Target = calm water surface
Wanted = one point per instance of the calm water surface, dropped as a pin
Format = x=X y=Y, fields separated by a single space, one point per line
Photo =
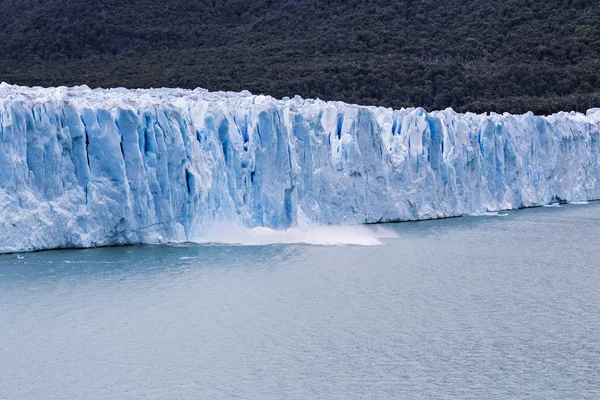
x=468 y=308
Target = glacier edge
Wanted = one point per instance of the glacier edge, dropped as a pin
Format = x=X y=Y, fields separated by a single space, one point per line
x=85 y=168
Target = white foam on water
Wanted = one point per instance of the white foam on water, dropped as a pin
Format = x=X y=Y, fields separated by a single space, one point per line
x=357 y=235
x=554 y=205
x=488 y=214
x=579 y=202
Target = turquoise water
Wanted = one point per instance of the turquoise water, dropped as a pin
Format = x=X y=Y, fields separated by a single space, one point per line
x=487 y=307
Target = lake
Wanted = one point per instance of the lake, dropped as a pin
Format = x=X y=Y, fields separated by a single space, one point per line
x=489 y=307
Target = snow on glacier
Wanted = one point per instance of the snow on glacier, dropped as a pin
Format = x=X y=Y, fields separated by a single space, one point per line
x=82 y=167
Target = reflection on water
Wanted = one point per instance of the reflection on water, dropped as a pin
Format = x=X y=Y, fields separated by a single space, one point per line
x=475 y=307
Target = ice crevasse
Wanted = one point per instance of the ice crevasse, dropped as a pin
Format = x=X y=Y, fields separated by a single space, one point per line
x=82 y=167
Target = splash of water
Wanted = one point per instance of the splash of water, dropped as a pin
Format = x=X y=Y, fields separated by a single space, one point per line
x=357 y=235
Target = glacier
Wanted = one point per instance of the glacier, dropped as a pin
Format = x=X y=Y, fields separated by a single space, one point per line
x=85 y=167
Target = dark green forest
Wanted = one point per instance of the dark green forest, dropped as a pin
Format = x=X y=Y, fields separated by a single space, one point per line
x=472 y=55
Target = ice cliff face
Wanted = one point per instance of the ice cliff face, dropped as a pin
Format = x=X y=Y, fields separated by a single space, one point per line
x=81 y=167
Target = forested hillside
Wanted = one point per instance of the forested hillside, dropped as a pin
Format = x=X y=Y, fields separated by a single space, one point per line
x=472 y=55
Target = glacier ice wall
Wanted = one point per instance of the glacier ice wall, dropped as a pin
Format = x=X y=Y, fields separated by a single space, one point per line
x=82 y=167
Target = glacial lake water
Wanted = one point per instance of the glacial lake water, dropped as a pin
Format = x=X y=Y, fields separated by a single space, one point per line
x=489 y=307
